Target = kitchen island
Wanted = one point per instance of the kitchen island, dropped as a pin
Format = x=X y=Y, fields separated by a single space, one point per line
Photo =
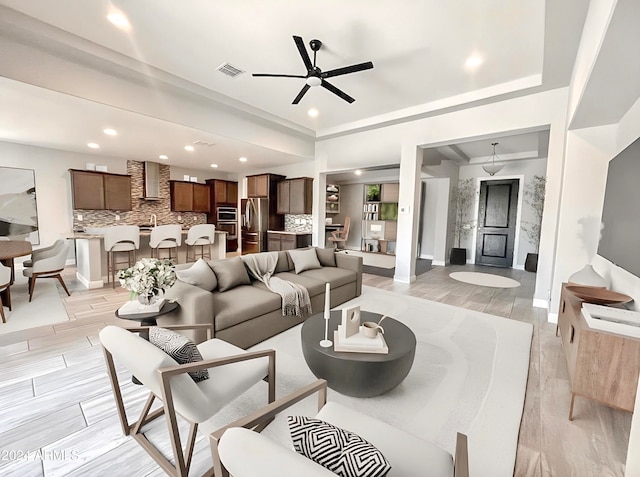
x=91 y=257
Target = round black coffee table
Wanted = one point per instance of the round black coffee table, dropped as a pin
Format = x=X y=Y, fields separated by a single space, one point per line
x=359 y=374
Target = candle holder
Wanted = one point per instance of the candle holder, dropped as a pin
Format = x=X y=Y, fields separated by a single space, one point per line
x=326 y=342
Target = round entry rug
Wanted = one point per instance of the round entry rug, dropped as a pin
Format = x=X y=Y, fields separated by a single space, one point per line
x=485 y=279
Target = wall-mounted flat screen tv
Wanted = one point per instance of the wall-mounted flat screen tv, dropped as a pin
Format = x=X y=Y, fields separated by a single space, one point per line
x=620 y=242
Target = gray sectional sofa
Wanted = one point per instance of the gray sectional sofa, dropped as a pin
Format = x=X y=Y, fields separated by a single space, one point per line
x=248 y=313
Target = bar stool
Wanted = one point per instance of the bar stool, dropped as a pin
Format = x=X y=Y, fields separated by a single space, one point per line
x=165 y=237
x=202 y=236
x=120 y=239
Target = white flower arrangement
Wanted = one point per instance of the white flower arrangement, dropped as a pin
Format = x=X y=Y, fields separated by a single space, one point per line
x=148 y=276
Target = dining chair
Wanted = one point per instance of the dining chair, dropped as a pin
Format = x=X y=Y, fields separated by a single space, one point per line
x=203 y=236
x=5 y=282
x=43 y=252
x=48 y=266
x=165 y=237
x=120 y=239
x=341 y=236
x=232 y=371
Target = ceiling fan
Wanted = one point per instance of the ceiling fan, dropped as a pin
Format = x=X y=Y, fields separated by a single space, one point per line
x=315 y=76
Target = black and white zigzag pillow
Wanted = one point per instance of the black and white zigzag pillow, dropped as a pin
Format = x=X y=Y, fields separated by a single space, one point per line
x=342 y=452
x=179 y=347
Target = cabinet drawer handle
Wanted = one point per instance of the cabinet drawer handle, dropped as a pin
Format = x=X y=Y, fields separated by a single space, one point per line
x=571 y=334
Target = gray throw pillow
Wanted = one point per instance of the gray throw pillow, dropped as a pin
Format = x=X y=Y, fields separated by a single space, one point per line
x=304 y=259
x=179 y=347
x=326 y=257
x=200 y=275
x=342 y=452
x=230 y=273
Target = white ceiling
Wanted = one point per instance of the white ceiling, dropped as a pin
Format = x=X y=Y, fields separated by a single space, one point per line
x=418 y=48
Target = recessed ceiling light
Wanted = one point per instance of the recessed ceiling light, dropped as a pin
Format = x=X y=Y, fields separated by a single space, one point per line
x=243 y=159
x=163 y=157
x=189 y=148
x=119 y=20
x=473 y=61
x=214 y=165
x=110 y=132
x=93 y=145
x=358 y=172
x=313 y=112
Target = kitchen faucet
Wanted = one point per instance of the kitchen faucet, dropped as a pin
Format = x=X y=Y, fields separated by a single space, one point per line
x=154 y=220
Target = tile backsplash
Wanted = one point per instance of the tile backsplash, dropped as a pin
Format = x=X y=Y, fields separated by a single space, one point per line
x=298 y=223
x=141 y=211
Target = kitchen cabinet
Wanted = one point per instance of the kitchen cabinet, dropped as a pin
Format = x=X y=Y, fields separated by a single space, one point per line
x=189 y=197
x=295 y=196
x=258 y=186
x=602 y=366
x=224 y=192
x=92 y=190
x=277 y=241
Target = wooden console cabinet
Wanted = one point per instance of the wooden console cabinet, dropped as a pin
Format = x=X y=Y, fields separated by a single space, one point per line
x=602 y=366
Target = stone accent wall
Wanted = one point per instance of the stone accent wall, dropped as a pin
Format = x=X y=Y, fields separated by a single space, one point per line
x=305 y=224
x=141 y=209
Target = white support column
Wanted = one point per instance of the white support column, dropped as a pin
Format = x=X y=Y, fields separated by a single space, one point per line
x=319 y=205
x=408 y=209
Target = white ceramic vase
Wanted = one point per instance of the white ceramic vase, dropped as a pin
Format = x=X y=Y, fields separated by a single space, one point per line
x=588 y=277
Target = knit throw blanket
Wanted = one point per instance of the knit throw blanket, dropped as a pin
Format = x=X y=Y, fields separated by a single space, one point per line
x=295 y=298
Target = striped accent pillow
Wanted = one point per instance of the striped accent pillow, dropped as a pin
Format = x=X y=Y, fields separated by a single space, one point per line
x=342 y=452
x=179 y=347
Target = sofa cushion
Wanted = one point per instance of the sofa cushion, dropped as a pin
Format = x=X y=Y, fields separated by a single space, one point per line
x=334 y=275
x=284 y=263
x=243 y=303
x=230 y=273
x=326 y=257
x=200 y=275
x=342 y=452
x=304 y=259
x=179 y=347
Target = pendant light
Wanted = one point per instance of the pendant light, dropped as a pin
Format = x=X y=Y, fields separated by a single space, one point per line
x=490 y=167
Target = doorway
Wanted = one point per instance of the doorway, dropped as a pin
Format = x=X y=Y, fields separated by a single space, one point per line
x=497 y=216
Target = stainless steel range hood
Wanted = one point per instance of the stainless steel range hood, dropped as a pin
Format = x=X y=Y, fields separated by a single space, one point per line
x=151 y=181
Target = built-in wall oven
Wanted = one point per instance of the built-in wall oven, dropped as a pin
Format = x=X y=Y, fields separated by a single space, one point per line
x=230 y=227
x=227 y=214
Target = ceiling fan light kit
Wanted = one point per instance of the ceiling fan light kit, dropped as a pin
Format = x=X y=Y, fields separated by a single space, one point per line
x=315 y=76
x=490 y=167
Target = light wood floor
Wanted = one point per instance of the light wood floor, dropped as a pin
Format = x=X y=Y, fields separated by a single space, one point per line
x=54 y=397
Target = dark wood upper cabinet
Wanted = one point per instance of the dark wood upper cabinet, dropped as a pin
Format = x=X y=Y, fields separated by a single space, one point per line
x=295 y=196
x=232 y=193
x=92 y=190
x=258 y=186
x=223 y=192
x=181 y=196
x=201 y=198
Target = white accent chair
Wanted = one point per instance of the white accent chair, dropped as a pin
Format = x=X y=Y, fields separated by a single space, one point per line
x=43 y=253
x=5 y=282
x=165 y=237
x=232 y=372
x=118 y=240
x=241 y=452
x=203 y=236
x=47 y=266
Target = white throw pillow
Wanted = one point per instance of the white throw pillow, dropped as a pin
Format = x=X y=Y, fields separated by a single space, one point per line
x=200 y=275
x=306 y=259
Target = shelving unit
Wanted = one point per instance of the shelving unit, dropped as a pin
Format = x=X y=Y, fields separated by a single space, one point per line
x=380 y=218
x=332 y=199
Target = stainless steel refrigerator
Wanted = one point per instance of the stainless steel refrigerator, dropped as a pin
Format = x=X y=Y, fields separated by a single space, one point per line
x=255 y=223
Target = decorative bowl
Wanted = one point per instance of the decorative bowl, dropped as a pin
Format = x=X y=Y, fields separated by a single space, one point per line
x=599 y=296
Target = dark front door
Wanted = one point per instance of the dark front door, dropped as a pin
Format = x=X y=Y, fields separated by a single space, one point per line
x=497 y=214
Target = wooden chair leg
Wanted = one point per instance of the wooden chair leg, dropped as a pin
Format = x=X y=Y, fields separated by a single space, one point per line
x=32 y=285
x=59 y=277
x=573 y=398
x=2 y=310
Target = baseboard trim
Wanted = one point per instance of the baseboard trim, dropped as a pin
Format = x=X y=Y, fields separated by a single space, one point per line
x=518 y=267
x=426 y=257
x=540 y=303
x=439 y=263
x=397 y=278
x=552 y=317
x=88 y=284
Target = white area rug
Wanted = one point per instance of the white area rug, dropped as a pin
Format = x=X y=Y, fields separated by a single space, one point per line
x=469 y=375
x=373 y=259
x=46 y=307
x=485 y=279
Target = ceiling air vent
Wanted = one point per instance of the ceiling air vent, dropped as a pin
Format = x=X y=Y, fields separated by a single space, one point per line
x=229 y=70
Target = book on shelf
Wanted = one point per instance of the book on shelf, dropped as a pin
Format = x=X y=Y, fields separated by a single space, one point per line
x=359 y=343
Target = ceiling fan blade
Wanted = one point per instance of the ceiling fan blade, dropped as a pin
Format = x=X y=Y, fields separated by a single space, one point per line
x=302 y=92
x=277 y=75
x=347 y=69
x=303 y=52
x=334 y=90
